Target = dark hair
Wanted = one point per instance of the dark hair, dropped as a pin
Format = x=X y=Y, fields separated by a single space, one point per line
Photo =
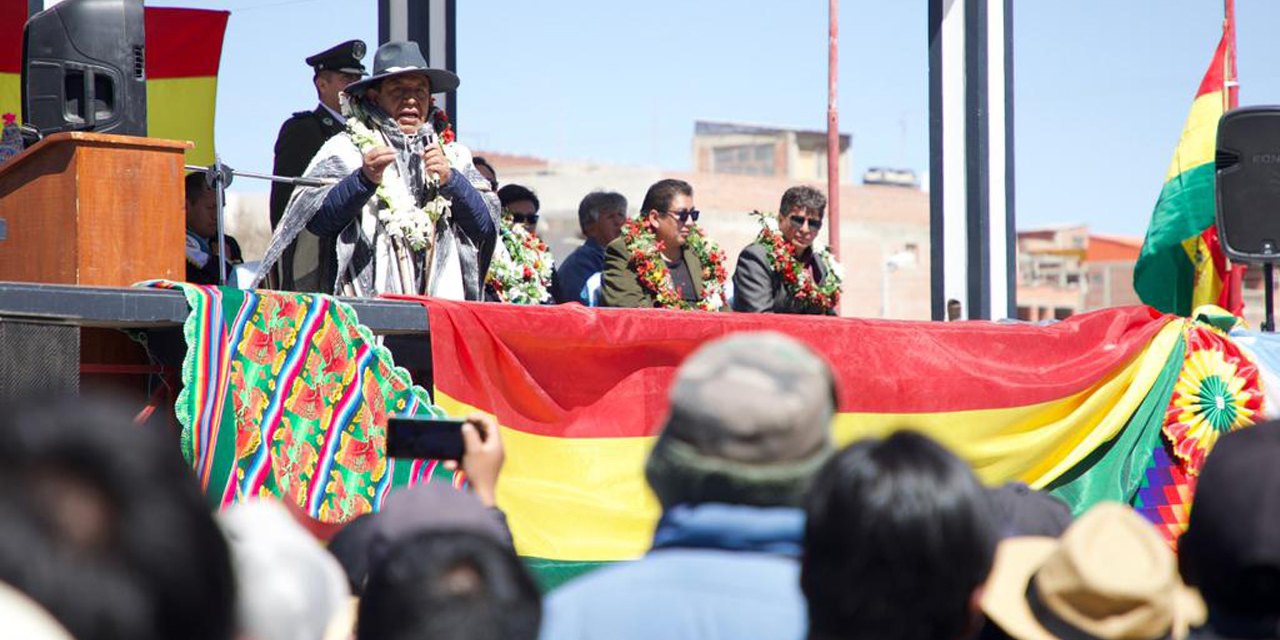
x=350 y=545
x=515 y=193
x=195 y=186
x=479 y=161
x=102 y=523
x=898 y=537
x=598 y=202
x=454 y=584
x=660 y=195
x=1228 y=551
x=805 y=198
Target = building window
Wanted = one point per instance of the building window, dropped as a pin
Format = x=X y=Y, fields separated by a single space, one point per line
x=1061 y=313
x=747 y=160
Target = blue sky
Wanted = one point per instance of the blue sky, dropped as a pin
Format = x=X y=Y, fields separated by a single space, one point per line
x=1102 y=88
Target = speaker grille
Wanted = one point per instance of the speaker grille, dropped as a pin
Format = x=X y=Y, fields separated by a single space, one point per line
x=1224 y=159
x=139 y=62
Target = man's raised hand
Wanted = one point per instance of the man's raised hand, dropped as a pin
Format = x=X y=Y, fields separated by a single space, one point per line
x=376 y=161
x=436 y=164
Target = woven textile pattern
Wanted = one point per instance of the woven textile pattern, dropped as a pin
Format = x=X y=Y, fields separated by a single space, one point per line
x=287 y=395
x=1165 y=495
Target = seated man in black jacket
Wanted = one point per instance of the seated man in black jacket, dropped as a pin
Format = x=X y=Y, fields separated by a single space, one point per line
x=409 y=210
x=781 y=272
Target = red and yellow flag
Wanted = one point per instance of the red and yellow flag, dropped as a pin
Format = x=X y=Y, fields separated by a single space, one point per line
x=184 y=49
x=13 y=14
x=580 y=394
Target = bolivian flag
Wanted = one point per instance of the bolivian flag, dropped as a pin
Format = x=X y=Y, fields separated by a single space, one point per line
x=13 y=14
x=1181 y=265
x=184 y=47
x=580 y=395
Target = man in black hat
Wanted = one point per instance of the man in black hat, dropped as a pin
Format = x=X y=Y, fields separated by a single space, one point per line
x=408 y=209
x=299 y=139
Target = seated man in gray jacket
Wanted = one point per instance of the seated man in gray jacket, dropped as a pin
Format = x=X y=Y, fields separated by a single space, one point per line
x=781 y=272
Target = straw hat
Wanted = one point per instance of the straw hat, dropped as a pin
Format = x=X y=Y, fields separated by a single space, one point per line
x=1110 y=577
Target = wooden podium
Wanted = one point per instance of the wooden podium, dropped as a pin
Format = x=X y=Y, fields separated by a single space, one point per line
x=90 y=209
x=93 y=209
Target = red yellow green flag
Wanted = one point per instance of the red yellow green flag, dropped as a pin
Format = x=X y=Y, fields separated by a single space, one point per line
x=1181 y=265
x=580 y=394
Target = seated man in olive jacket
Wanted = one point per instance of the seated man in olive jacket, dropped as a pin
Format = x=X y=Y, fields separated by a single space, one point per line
x=667 y=218
x=758 y=284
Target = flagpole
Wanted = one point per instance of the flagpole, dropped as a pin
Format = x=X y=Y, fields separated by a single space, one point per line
x=1231 y=84
x=833 y=133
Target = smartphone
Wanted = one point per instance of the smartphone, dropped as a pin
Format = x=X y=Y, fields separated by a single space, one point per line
x=425 y=438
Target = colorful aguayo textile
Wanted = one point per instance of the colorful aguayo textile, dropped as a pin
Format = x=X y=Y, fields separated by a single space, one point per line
x=287 y=395
x=1181 y=265
x=580 y=393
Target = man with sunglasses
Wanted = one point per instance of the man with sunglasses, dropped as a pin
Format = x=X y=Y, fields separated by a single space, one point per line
x=522 y=204
x=666 y=217
x=758 y=284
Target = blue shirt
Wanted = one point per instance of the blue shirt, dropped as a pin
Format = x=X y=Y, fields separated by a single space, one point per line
x=573 y=273
x=716 y=572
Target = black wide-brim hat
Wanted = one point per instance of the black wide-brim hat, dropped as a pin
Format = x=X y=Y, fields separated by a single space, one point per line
x=399 y=58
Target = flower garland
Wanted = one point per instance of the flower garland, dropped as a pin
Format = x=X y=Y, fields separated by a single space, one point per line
x=795 y=277
x=521 y=274
x=399 y=213
x=647 y=261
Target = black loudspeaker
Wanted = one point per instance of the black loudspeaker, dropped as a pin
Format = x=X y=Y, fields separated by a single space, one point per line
x=1248 y=183
x=84 y=69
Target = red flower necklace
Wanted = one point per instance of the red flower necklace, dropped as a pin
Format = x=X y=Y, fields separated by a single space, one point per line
x=795 y=277
x=645 y=253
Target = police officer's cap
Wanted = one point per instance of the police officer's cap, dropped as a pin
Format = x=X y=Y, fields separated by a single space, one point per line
x=344 y=57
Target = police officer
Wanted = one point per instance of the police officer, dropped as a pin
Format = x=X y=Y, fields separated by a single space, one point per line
x=299 y=139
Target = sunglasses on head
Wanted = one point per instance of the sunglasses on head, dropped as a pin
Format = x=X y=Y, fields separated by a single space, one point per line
x=524 y=218
x=685 y=215
x=800 y=221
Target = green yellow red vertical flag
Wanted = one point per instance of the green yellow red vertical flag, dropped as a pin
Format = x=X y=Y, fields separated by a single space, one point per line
x=1181 y=265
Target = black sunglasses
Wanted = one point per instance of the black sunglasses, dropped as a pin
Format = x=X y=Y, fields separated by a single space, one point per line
x=800 y=221
x=685 y=215
x=522 y=218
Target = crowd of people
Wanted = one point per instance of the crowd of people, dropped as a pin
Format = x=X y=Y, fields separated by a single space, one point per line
x=402 y=207
x=768 y=530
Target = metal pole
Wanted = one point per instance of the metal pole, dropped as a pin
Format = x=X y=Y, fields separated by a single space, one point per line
x=217 y=186
x=833 y=135
x=1269 y=320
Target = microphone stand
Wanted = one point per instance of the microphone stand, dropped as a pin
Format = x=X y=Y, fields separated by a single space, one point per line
x=218 y=176
x=1269 y=321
